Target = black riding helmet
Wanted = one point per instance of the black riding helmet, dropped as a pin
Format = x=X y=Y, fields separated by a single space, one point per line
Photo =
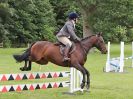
x=73 y=15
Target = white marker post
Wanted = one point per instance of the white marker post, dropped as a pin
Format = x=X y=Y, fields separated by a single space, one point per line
x=121 y=64
x=107 y=69
x=132 y=55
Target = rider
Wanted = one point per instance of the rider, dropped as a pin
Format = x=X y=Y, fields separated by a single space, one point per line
x=67 y=34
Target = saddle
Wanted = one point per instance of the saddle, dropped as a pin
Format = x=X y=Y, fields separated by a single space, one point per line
x=62 y=48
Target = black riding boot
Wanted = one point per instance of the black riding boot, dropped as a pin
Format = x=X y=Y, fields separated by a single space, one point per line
x=66 y=51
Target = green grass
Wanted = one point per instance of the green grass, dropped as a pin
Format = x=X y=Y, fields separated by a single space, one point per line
x=103 y=85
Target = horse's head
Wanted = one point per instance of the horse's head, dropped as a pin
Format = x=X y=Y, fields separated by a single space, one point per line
x=100 y=44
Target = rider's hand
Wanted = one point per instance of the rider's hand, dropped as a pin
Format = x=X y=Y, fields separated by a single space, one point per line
x=77 y=40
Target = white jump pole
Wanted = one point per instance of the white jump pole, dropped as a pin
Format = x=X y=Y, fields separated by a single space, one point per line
x=75 y=80
x=71 y=80
x=132 y=55
x=121 y=59
x=107 y=69
x=121 y=63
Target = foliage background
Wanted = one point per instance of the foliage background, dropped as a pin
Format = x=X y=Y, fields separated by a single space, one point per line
x=26 y=21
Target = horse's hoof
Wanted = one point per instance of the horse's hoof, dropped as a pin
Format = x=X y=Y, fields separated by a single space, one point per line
x=28 y=69
x=87 y=87
x=22 y=69
x=82 y=85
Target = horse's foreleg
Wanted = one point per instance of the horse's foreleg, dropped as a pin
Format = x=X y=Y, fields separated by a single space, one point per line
x=88 y=79
x=82 y=70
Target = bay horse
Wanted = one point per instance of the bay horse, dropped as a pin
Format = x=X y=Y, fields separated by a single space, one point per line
x=43 y=52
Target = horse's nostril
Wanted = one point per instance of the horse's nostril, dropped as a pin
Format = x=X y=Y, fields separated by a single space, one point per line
x=104 y=52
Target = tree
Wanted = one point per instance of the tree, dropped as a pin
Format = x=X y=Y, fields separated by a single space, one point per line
x=62 y=8
x=114 y=18
x=30 y=20
x=5 y=13
x=87 y=8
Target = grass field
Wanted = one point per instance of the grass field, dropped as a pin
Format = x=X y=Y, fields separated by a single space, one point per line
x=103 y=85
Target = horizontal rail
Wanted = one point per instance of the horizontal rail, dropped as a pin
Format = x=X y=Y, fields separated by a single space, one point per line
x=34 y=86
x=34 y=75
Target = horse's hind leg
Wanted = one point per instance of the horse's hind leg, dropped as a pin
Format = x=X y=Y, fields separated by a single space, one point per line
x=25 y=66
x=29 y=66
x=82 y=70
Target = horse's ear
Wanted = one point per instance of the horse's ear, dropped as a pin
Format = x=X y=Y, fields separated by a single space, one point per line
x=99 y=33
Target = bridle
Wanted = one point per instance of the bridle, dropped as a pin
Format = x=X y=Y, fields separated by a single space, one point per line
x=98 y=44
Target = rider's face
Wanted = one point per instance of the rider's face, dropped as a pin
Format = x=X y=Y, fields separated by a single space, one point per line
x=76 y=20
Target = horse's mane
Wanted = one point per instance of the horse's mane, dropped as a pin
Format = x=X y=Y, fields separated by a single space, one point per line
x=87 y=37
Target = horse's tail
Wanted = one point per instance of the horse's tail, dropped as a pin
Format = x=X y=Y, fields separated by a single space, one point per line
x=24 y=56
